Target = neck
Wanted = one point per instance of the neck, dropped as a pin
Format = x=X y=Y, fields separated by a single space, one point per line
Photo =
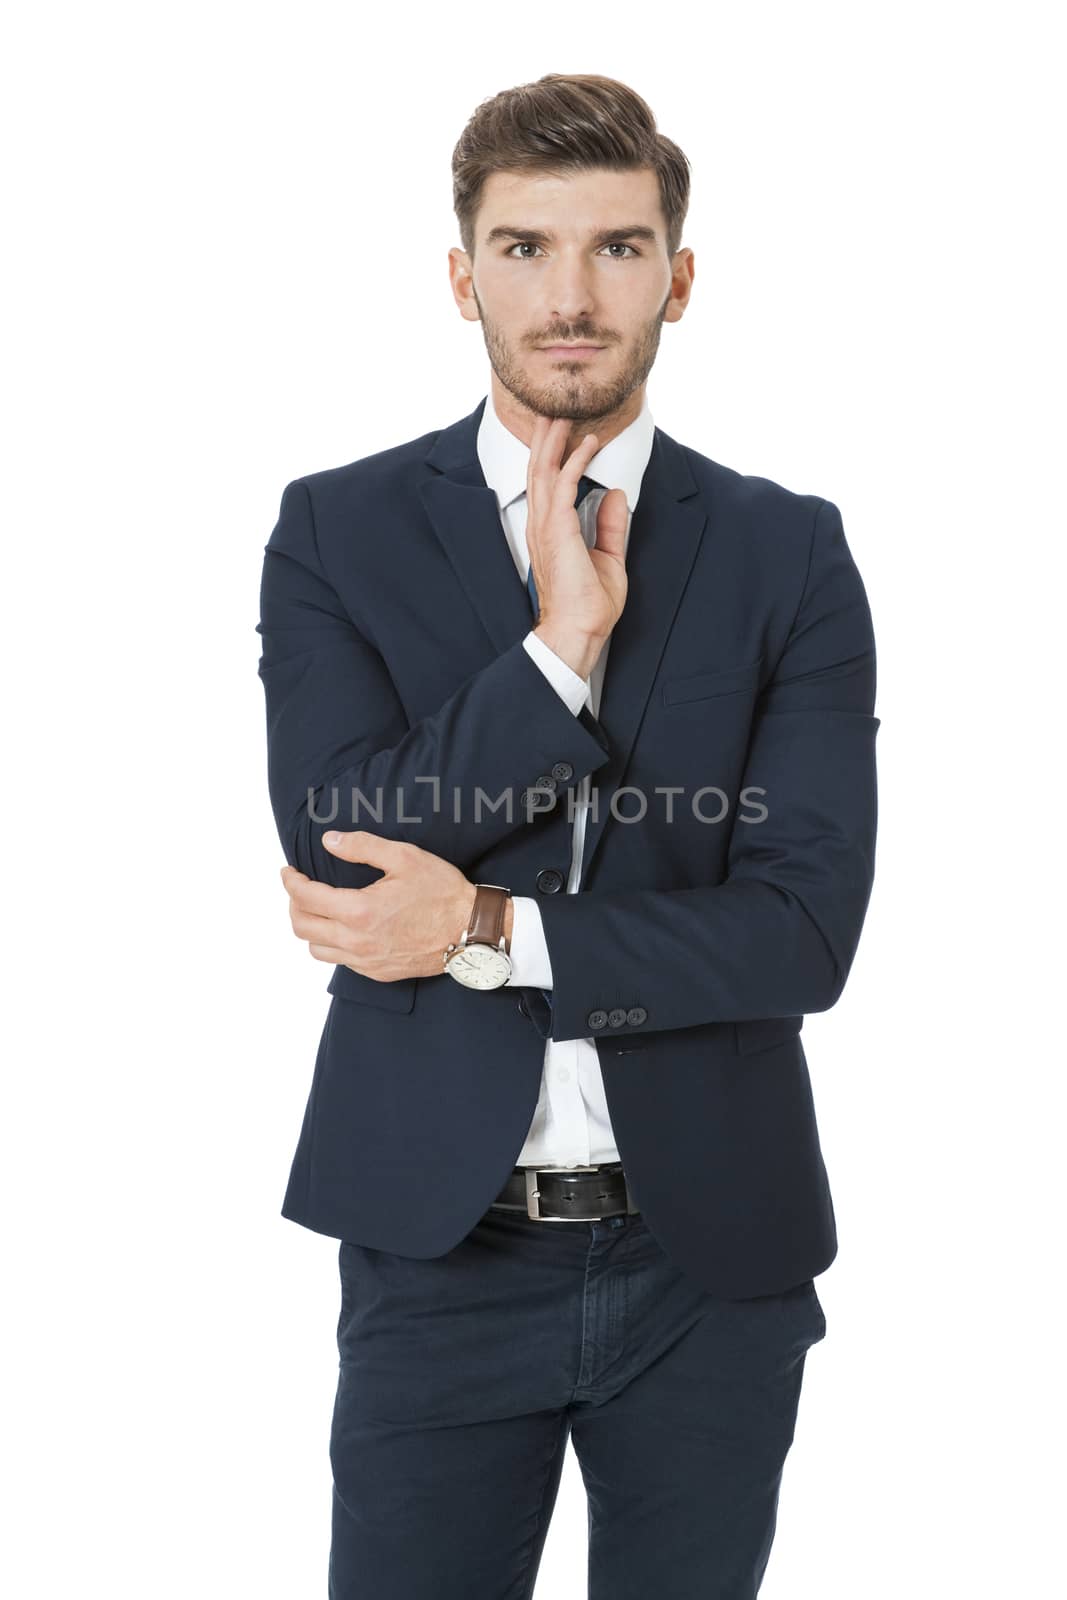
x=519 y=419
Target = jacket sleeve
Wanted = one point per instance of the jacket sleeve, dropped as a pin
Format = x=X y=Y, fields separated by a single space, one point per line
x=336 y=725
x=778 y=935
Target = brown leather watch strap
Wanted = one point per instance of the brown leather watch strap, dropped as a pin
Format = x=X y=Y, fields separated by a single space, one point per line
x=487 y=919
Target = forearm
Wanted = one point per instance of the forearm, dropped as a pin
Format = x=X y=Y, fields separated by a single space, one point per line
x=343 y=754
x=743 y=950
x=455 y=783
x=777 y=936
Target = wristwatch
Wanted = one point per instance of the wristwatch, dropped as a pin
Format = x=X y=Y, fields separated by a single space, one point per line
x=480 y=960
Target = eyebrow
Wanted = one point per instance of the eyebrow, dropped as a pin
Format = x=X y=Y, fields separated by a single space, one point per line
x=601 y=236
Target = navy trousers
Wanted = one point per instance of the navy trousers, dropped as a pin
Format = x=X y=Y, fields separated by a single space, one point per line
x=462 y=1378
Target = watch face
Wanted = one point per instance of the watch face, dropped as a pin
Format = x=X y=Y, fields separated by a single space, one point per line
x=479 y=966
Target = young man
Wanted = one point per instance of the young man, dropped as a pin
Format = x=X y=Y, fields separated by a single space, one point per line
x=572 y=756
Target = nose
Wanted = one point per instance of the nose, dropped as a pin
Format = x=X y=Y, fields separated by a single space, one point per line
x=571 y=298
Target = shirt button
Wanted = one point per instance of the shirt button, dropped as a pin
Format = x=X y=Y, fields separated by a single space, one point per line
x=563 y=1075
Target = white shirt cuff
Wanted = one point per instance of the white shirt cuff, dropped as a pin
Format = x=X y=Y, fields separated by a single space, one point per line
x=529 y=952
x=566 y=682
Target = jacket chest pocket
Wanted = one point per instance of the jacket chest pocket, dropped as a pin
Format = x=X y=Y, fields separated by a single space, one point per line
x=709 y=685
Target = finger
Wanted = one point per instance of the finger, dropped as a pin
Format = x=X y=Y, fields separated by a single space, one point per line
x=546 y=448
x=612 y=516
x=555 y=442
x=324 y=930
x=361 y=846
x=547 y=445
x=329 y=952
x=323 y=898
x=574 y=466
x=546 y=433
x=556 y=486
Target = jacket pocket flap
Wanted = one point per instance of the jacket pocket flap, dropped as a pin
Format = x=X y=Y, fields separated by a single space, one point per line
x=702 y=685
x=399 y=995
x=761 y=1034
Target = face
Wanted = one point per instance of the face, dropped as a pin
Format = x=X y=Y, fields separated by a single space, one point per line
x=571 y=259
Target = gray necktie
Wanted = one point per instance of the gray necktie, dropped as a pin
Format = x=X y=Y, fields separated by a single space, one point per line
x=587 y=521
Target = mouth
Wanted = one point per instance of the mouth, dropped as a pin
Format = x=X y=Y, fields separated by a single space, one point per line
x=569 y=352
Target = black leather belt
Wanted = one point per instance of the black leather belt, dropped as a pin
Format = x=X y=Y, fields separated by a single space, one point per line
x=567 y=1194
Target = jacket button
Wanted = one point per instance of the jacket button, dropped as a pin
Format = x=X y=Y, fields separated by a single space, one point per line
x=549 y=880
x=523 y=1007
x=563 y=770
x=536 y=799
x=617 y=1017
x=597 y=1019
x=545 y=781
x=636 y=1015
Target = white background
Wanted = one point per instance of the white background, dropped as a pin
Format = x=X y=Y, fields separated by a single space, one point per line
x=227 y=267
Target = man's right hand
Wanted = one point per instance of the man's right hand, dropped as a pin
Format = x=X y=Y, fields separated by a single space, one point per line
x=581 y=591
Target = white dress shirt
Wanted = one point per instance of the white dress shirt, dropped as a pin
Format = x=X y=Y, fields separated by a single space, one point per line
x=571 y=1126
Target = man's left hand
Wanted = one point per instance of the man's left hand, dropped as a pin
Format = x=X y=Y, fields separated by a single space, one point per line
x=397 y=927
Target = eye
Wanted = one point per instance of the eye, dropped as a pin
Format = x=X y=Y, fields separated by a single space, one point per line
x=614 y=244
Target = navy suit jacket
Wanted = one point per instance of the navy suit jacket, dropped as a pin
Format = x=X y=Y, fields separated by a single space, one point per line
x=392 y=617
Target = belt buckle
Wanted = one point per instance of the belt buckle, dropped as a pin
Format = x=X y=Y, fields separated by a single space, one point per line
x=533 y=1194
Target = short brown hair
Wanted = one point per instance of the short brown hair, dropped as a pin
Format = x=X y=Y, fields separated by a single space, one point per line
x=566 y=122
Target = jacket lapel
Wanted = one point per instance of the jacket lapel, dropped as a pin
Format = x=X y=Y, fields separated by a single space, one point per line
x=665 y=533
x=466 y=519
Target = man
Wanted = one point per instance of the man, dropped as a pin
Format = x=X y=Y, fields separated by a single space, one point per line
x=571 y=751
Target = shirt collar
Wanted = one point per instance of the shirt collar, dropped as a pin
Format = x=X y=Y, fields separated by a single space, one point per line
x=619 y=465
